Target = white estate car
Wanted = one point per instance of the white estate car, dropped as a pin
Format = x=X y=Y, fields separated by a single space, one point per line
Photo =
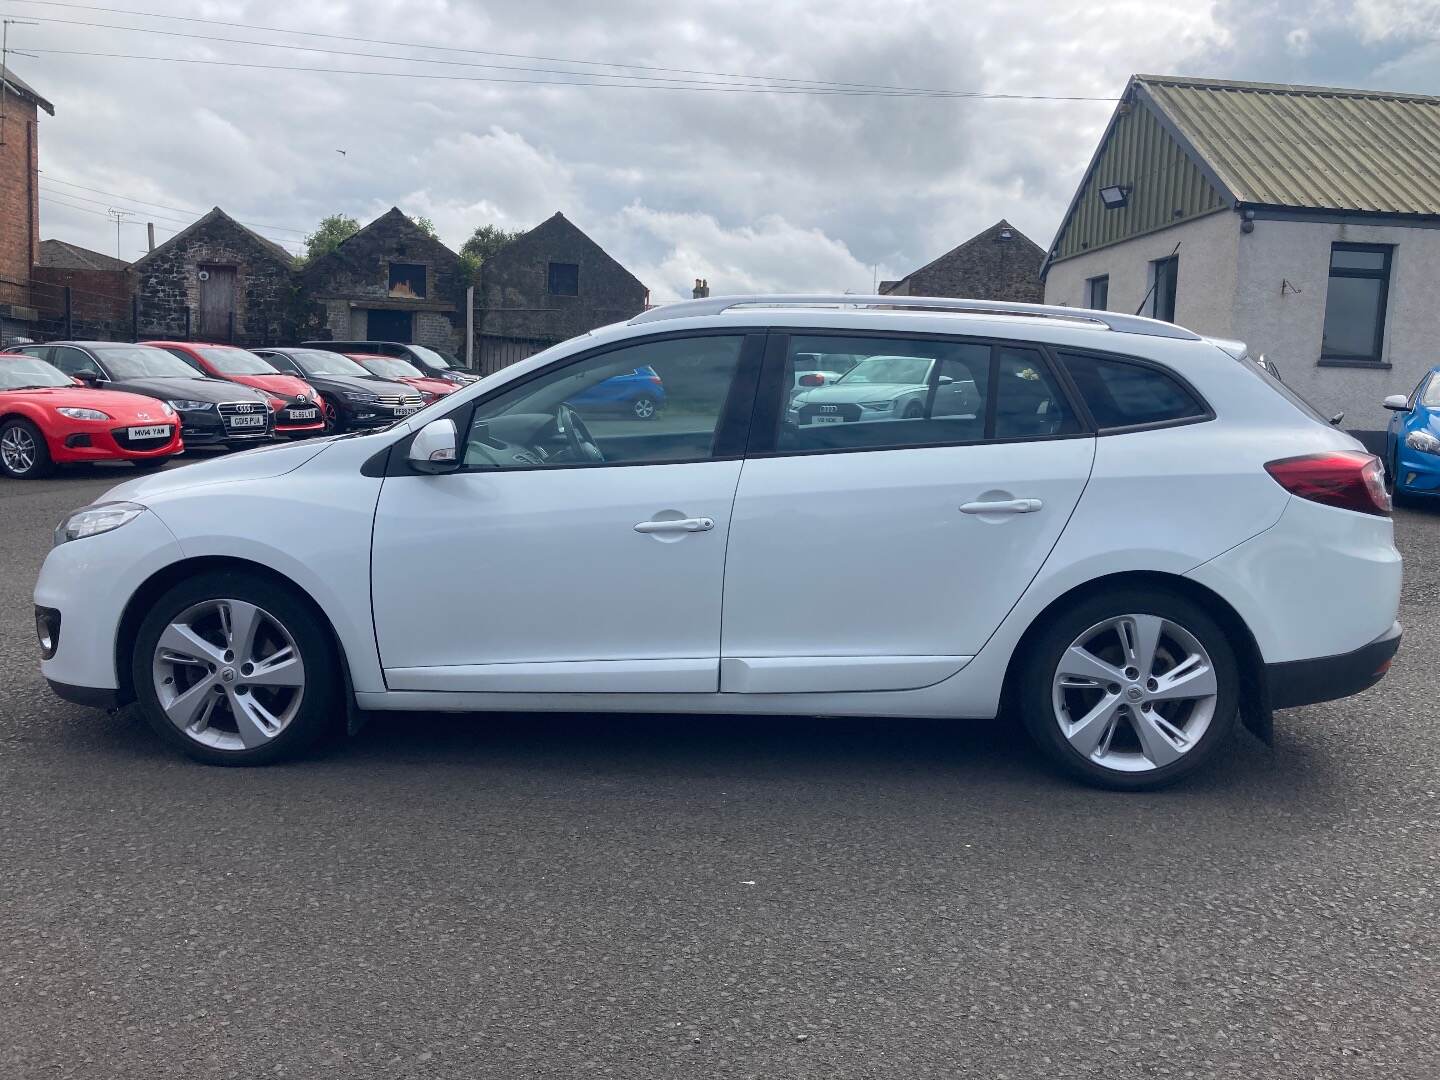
x=1137 y=536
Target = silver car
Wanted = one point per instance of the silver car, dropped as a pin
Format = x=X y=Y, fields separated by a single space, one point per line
x=885 y=388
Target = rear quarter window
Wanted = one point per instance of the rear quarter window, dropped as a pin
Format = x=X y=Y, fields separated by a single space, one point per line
x=1123 y=393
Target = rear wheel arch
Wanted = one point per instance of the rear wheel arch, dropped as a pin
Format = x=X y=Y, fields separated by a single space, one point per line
x=1255 y=706
x=164 y=579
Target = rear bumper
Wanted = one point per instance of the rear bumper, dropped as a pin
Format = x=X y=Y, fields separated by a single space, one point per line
x=1304 y=682
x=90 y=696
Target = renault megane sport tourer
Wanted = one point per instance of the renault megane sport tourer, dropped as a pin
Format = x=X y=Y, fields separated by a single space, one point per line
x=1124 y=534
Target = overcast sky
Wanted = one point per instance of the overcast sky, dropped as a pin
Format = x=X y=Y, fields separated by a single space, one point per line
x=754 y=191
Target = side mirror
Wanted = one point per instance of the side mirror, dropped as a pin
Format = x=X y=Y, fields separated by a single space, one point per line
x=945 y=380
x=1397 y=403
x=433 y=448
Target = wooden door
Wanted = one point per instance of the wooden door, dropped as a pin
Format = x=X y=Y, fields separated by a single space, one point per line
x=217 y=302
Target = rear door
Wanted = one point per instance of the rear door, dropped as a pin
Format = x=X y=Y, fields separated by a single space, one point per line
x=879 y=553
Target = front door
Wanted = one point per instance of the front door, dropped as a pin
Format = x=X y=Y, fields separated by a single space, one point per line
x=385 y=325
x=217 y=303
x=881 y=551
x=575 y=550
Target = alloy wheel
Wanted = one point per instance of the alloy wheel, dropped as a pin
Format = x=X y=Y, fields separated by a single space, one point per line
x=644 y=408
x=1134 y=693
x=228 y=674
x=18 y=450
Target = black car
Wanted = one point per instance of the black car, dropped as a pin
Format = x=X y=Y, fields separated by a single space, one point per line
x=212 y=412
x=430 y=361
x=351 y=397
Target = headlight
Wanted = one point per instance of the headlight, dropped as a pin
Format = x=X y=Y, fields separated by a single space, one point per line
x=83 y=414
x=165 y=409
x=1423 y=441
x=360 y=395
x=97 y=519
x=877 y=406
x=186 y=405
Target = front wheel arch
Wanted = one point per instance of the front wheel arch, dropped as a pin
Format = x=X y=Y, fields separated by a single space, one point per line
x=1255 y=698
x=162 y=580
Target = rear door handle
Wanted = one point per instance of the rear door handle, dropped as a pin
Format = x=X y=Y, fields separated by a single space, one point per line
x=681 y=525
x=1002 y=506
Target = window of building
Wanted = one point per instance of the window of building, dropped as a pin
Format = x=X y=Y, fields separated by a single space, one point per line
x=1165 y=279
x=407 y=281
x=564 y=279
x=1121 y=394
x=1097 y=292
x=1355 y=303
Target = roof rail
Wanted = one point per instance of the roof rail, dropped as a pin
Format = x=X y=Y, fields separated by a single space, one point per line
x=1113 y=320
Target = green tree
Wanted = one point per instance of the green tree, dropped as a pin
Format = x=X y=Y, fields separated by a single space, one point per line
x=484 y=242
x=425 y=225
x=330 y=234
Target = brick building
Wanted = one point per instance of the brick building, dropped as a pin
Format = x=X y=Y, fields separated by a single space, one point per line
x=216 y=280
x=550 y=284
x=100 y=288
x=19 y=201
x=1001 y=263
x=389 y=282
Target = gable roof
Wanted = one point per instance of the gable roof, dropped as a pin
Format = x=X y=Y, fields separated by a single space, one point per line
x=216 y=215
x=18 y=86
x=1308 y=147
x=991 y=235
x=394 y=216
x=555 y=227
x=59 y=255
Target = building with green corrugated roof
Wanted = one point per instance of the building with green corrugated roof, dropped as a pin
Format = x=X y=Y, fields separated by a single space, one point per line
x=1302 y=220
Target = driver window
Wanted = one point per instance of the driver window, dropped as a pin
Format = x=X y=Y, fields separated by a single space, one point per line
x=74 y=362
x=650 y=403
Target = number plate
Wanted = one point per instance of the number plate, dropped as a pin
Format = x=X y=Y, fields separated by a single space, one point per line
x=406 y=410
x=254 y=420
x=827 y=419
x=157 y=431
x=303 y=414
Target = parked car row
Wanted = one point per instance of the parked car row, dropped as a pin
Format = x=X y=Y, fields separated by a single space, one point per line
x=77 y=401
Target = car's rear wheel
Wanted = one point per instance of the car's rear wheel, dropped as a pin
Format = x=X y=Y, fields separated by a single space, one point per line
x=23 y=452
x=644 y=408
x=233 y=669
x=914 y=411
x=1132 y=689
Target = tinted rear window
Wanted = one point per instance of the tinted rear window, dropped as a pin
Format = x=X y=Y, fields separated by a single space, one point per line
x=1124 y=394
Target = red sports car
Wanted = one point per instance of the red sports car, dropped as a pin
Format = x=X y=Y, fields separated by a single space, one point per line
x=393 y=369
x=48 y=419
x=297 y=406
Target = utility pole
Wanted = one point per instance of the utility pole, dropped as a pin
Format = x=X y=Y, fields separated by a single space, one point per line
x=5 y=66
x=119 y=216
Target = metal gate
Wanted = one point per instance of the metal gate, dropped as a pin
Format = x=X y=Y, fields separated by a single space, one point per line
x=495 y=353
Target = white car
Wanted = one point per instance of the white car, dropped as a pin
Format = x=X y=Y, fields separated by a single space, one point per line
x=882 y=387
x=1135 y=538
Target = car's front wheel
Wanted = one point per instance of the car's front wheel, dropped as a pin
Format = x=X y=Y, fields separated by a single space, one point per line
x=23 y=452
x=1132 y=689
x=234 y=669
x=644 y=408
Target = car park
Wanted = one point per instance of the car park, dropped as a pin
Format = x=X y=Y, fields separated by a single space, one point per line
x=48 y=419
x=1125 y=536
x=432 y=362
x=212 y=412
x=1412 y=439
x=351 y=398
x=394 y=369
x=881 y=387
x=295 y=404
x=640 y=392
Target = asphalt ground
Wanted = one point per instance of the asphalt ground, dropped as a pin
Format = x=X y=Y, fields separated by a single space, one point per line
x=579 y=896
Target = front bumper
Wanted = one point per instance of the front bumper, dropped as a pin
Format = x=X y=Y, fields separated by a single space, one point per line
x=102 y=443
x=1417 y=473
x=1304 y=682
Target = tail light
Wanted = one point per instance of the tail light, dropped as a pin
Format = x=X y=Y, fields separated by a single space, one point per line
x=1349 y=479
x=655 y=379
x=812 y=380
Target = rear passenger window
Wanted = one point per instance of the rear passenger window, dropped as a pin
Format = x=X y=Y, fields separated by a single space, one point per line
x=1124 y=394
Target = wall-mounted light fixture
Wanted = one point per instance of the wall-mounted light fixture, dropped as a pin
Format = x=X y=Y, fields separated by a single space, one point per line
x=1116 y=196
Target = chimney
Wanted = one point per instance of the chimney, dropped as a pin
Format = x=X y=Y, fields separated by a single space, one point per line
x=702 y=288
x=150 y=232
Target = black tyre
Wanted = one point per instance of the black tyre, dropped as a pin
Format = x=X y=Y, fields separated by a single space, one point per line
x=24 y=454
x=233 y=669
x=644 y=407
x=914 y=411
x=1131 y=690
x=334 y=419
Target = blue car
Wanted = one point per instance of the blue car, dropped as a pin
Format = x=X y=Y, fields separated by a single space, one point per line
x=1412 y=442
x=640 y=393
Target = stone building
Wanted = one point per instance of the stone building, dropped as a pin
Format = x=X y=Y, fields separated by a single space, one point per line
x=389 y=282
x=1001 y=263
x=99 y=288
x=19 y=203
x=548 y=285
x=216 y=280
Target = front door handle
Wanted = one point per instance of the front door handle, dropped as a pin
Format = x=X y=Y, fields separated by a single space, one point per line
x=1002 y=506
x=677 y=525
